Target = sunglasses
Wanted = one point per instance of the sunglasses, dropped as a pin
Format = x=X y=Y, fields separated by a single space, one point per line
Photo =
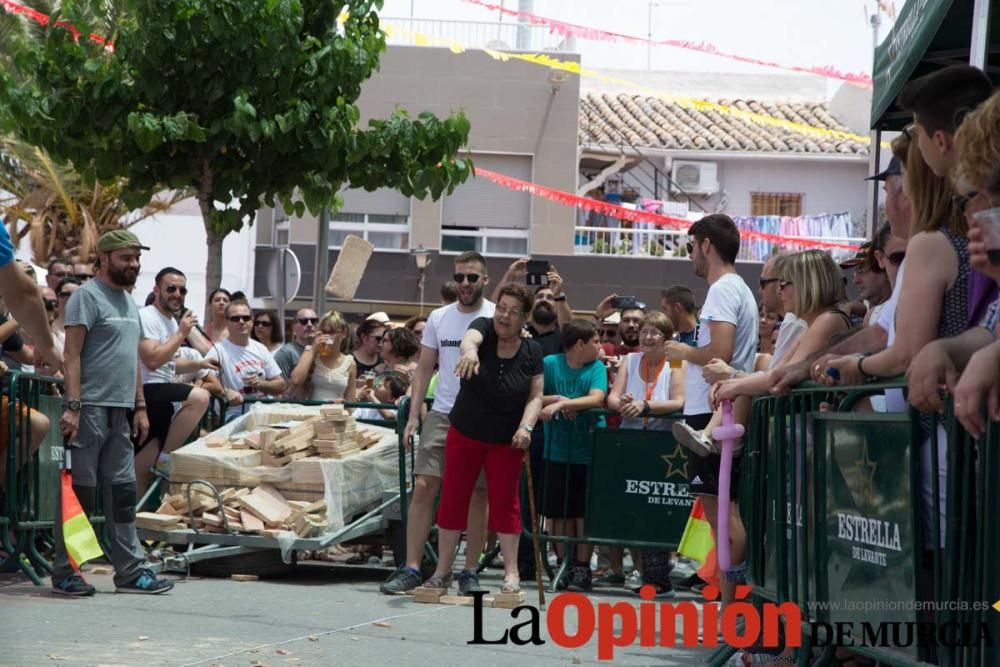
x=782 y=284
x=609 y=333
x=305 y=321
x=378 y=339
x=65 y=295
x=961 y=201
x=910 y=132
x=764 y=282
x=58 y=274
x=262 y=323
x=459 y=278
x=51 y=304
x=174 y=288
x=83 y=277
x=690 y=247
x=240 y=318
x=897 y=257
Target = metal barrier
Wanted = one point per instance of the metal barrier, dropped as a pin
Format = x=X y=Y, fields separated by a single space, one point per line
x=32 y=470
x=855 y=527
x=636 y=489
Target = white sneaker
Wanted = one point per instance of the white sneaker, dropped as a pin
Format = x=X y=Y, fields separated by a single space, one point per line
x=695 y=441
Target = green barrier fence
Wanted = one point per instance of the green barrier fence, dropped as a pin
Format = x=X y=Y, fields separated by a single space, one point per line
x=878 y=522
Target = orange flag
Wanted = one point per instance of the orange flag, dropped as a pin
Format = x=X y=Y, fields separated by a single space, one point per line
x=78 y=535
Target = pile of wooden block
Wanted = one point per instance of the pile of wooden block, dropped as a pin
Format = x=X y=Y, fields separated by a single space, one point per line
x=262 y=511
x=334 y=434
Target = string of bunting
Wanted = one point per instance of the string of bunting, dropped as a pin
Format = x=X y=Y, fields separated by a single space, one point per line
x=421 y=39
x=636 y=215
x=594 y=34
x=38 y=17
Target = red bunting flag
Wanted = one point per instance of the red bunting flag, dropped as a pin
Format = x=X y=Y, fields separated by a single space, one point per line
x=584 y=32
x=635 y=215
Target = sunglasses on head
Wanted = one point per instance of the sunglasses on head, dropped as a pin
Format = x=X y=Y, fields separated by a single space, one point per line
x=174 y=288
x=305 y=321
x=897 y=257
x=459 y=278
x=240 y=318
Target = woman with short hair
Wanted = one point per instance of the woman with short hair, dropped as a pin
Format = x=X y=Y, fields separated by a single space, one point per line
x=496 y=409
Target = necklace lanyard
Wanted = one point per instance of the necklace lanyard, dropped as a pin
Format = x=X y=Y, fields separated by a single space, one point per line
x=651 y=385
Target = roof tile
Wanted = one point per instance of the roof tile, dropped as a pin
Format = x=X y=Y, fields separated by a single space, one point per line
x=651 y=122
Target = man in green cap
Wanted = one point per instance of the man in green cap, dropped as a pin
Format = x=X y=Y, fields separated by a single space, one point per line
x=103 y=395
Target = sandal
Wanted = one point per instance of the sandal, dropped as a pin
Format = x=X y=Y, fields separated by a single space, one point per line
x=511 y=586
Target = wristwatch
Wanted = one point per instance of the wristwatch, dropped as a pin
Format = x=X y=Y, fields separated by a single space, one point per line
x=561 y=297
x=528 y=427
x=72 y=404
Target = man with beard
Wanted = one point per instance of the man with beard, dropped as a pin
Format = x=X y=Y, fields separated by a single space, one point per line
x=442 y=337
x=166 y=325
x=103 y=388
x=628 y=327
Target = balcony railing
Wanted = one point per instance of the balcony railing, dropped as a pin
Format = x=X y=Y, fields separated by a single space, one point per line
x=476 y=35
x=647 y=240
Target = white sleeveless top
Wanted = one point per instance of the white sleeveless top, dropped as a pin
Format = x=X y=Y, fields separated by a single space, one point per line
x=637 y=387
x=330 y=384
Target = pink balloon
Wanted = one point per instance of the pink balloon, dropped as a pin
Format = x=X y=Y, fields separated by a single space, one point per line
x=729 y=434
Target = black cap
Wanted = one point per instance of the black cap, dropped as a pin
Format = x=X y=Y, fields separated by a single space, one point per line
x=895 y=168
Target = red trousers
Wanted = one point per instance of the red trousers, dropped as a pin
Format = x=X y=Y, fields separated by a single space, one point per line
x=463 y=459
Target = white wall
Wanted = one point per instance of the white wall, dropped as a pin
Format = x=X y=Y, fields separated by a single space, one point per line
x=178 y=240
x=829 y=187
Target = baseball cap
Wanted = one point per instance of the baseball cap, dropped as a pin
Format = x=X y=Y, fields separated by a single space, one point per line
x=865 y=255
x=895 y=168
x=117 y=240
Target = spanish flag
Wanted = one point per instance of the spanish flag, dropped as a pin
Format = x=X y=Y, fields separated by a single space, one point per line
x=78 y=535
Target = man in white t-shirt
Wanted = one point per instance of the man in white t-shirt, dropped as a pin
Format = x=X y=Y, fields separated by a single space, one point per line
x=246 y=368
x=162 y=337
x=728 y=332
x=444 y=331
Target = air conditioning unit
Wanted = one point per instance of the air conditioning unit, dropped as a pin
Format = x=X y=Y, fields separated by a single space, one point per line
x=694 y=178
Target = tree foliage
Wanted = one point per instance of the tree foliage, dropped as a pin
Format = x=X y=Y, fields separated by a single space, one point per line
x=65 y=215
x=242 y=101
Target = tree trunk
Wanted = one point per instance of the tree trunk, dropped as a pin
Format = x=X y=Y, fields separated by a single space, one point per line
x=213 y=265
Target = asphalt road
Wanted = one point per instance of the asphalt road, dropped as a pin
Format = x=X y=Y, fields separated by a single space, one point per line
x=317 y=615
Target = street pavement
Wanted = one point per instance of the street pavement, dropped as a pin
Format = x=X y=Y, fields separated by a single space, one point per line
x=316 y=615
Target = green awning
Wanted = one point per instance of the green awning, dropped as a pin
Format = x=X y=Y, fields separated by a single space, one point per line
x=927 y=35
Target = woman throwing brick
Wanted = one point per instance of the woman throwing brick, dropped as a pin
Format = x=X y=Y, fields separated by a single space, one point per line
x=496 y=409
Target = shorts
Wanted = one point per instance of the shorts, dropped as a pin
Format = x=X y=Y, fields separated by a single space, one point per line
x=564 y=489
x=160 y=398
x=429 y=457
x=703 y=471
